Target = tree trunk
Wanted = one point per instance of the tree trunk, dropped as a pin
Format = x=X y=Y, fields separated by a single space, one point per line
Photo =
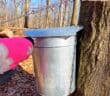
x=47 y=13
x=16 y=13
x=6 y=15
x=69 y=12
x=65 y=13
x=94 y=68
x=75 y=13
x=61 y=13
x=26 y=19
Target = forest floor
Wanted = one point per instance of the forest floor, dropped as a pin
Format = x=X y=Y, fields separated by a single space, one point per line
x=22 y=83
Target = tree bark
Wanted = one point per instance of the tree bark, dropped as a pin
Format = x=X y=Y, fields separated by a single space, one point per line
x=47 y=13
x=6 y=15
x=26 y=19
x=17 y=23
x=75 y=14
x=94 y=68
x=61 y=13
x=65 y=12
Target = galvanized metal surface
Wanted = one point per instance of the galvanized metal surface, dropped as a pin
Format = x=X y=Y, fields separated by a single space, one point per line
x=54 y=63
x=52 y=32
x=54 y=41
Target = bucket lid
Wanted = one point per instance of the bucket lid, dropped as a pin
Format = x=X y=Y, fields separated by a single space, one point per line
x=53 y=32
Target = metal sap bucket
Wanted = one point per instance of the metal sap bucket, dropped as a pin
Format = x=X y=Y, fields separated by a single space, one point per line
x=54 y=59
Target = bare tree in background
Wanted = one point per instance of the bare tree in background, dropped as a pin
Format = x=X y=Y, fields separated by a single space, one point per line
x=47 y=12
x=65 y=13
x=52 y=15
x=61 y=13
x=45 y=15
x=55 y=18
x=3 y=10
x=74 y=20
x=69 y=11
x=6 y=15
x=16 y=13
x=26 y=19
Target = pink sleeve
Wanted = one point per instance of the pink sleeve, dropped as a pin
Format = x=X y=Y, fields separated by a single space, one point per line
x=21 y=51
x=15 y=64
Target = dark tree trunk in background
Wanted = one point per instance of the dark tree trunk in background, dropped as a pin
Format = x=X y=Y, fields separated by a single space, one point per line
x=94 y=69
x=65 y=12
x=47 y=13
x=26 y=22
x=26 y=19
x=74 y=20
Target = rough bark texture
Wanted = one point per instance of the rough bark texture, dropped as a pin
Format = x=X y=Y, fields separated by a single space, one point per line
x=94 y=69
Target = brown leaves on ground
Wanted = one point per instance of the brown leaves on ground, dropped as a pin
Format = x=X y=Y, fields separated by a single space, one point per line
x=22 y=83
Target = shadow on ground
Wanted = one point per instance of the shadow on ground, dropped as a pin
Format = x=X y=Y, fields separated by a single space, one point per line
x=20 y=84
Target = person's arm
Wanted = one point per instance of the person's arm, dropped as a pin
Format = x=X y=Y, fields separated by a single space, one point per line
x=13 y=51
x=23 y=52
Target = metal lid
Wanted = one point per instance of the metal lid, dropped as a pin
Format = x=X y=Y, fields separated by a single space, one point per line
x=53 y=32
